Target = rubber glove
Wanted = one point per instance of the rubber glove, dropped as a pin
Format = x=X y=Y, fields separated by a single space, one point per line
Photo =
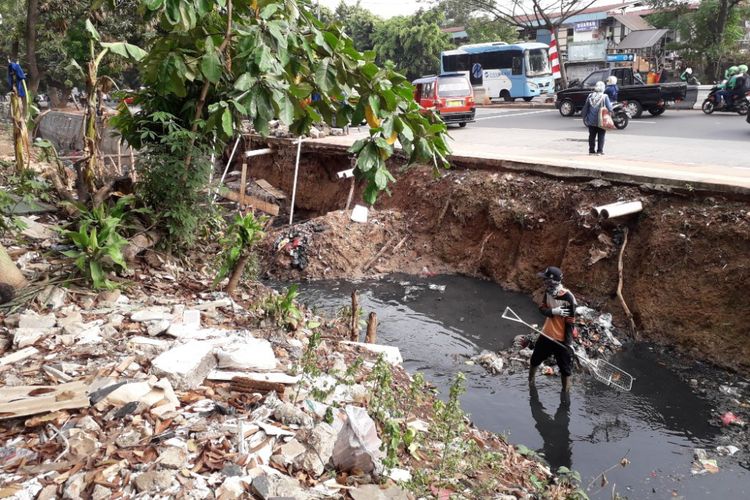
x=564 y=311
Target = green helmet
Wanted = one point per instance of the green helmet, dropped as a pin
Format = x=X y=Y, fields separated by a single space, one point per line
x=742 y=68
x=733 y=70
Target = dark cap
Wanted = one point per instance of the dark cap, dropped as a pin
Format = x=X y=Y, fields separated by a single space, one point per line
x=551 y=273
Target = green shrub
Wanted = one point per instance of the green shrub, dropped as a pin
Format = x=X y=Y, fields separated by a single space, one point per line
x=99 y=239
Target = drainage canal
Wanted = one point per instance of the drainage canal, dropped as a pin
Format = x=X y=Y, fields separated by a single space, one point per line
x=440 y=322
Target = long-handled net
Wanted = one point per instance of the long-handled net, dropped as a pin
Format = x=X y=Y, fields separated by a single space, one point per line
x=601 y=370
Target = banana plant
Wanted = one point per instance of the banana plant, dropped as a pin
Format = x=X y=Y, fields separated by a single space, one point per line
x=94 y=85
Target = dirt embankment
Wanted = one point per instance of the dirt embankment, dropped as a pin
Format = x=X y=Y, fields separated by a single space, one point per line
x=685 y=265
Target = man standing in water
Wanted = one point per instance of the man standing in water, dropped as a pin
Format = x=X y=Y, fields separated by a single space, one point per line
x=559 y=306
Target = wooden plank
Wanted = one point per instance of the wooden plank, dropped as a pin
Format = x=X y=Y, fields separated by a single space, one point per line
x=251 y=201
x=34 y=399
x=268 y=188
x=18 y=355
x=273 y=377
x=243 y=183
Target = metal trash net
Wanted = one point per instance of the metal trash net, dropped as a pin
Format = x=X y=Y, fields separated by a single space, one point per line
x=601 y=370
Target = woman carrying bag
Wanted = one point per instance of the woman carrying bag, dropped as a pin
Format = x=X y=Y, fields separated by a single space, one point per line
x=596 y=116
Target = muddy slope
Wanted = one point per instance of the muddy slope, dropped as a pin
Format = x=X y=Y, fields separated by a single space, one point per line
x=685 y=265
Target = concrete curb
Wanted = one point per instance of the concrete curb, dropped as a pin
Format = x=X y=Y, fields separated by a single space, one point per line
x=614 y=170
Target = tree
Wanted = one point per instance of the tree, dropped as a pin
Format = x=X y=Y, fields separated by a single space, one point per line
x=214 y=63
x=531 y=14
x=359 y=23
x=413 y=43
x=480 y=26
x=709 y=34
x=32 y=17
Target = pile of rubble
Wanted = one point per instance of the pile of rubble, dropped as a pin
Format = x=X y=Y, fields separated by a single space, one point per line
x=90 y=405
x=595 y=338
x=150 y=394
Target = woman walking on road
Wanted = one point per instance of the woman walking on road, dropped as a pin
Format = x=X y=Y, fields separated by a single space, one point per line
x=591 y=113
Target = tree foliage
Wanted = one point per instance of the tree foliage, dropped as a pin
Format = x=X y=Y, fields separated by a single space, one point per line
x=213 y=63
x=709 y=35
x=480 y=26
x=413 y=43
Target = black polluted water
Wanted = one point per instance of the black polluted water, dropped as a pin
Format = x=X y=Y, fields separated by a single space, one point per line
x=440 y=322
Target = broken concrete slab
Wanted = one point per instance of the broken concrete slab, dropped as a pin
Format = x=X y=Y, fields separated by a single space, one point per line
x=153 y=481
x=272 y=377
x=268 y=486
x=247 y=354
x=173 y=457
x=185 y=324
x=154 y=328
x=187 y=365
x=52 y=297
x=319 y=442
x=288 y=414
x=36 y=230
x=376 y=492
x=17 y=356
x=232 y=488
x=31 y=319
x=390 y=353
x=155 y=314
x=24 y=337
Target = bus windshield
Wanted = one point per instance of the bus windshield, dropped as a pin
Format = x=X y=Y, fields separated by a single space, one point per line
x=453 y=86
x=537 y=63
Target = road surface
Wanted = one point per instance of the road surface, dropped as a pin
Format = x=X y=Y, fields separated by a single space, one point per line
x=686 y=137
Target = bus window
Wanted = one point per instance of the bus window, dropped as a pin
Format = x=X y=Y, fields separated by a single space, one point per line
x=537 y=62
x=456 y=62
x=517 y=65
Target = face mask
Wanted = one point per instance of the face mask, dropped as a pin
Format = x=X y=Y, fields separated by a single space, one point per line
x=553 y=287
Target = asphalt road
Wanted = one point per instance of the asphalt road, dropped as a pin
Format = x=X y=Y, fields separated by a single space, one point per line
x=686 y=137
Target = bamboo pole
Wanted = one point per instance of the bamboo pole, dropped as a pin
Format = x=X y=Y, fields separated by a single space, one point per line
x=372 y=329
x=625 y=307
x=354 y=324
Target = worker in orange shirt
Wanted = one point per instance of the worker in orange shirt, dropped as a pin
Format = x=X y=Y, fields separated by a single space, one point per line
x=559 y=306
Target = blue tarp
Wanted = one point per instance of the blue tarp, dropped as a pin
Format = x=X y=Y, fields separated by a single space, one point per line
x=16 y=76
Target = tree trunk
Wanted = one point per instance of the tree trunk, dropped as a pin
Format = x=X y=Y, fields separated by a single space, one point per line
x=9 y=273
x=354 y=325
x=239 y=268
x=58 y=97
x=21 y=143
x=32 y=17
x=372 y=328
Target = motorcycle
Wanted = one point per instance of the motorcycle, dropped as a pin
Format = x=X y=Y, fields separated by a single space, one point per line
x=620 y=115
x=740 y=105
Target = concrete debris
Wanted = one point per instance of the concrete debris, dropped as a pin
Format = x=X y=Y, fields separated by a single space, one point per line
x=232 y=488
x=390 y=353
x=375 y=492
x=52 y=297
x=173 y=457
x=358 y=445
x=247 y=354
x=153 y=481
x=81 y=443
x=492 y=362
x=150 y=315
x=187 y=365
x=154 y=328
x=288 y=414
x=268 y=486
x=289 y=452
x=25 y=337
x=74 y=486
x=33 y=320
x=320 y=442
x=101 y=493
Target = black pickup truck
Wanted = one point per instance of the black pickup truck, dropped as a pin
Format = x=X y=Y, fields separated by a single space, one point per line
x=632 y=90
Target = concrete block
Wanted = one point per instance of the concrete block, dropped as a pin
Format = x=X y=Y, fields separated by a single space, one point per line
x=186 y=366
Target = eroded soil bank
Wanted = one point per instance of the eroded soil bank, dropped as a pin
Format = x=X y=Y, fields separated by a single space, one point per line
x=685 y=264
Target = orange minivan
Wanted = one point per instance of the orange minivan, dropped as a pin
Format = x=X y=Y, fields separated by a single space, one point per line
x=449 y=94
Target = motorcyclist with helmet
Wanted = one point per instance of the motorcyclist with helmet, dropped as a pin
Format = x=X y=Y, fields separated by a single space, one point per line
x=737 y=85
x=723 y=94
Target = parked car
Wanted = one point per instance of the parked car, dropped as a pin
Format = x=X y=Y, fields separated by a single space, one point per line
x=632 y=91
x=450 y=94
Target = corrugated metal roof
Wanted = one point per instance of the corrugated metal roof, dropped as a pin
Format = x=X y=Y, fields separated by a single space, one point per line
x=642 y=39
x=633 y=22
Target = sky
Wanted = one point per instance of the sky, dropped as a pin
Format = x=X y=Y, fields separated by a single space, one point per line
x=382 y=8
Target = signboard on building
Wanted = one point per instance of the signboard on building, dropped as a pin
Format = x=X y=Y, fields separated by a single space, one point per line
x=620 y=57
x=586 y=26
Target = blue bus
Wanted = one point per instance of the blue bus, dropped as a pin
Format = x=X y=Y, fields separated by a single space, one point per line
x=504 y=71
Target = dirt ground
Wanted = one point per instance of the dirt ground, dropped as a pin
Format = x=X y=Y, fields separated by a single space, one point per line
x=685 y=263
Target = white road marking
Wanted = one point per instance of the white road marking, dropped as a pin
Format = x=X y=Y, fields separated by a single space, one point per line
x=513 y=114
x=641 y=121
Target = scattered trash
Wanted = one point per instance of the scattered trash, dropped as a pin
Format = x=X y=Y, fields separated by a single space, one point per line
x=704 y=466
x=730 y=418
x=727 y=450
x=359 y=214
